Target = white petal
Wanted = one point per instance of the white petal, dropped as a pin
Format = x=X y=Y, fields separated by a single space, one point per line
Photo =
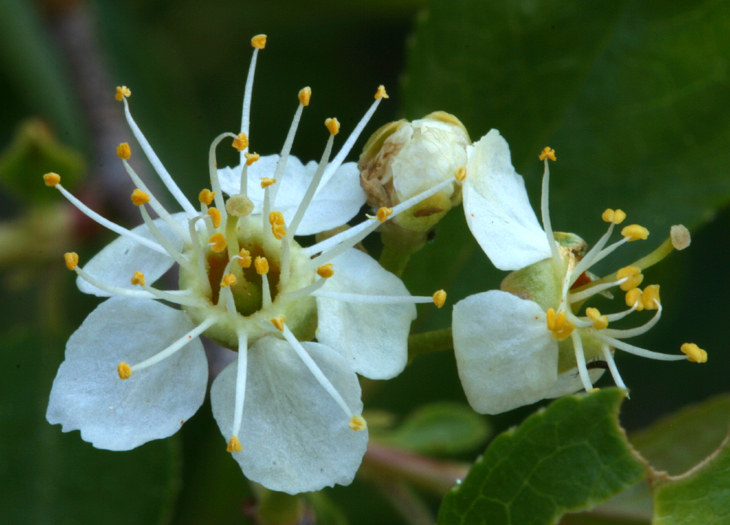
x=116 y=263
x=295 y=437
x=506 y=356
x=569 y=382
x=372 y=338
x=116 y=414
x=497 y=208
x=336 y=202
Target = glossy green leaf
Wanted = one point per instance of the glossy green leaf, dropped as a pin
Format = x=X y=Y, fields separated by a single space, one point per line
x=439 y=428
x=700 y=497
x=568 y=457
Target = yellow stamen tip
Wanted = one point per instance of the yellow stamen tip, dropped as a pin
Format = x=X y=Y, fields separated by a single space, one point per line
x=333 y=125
x=259 y=41
x=559 y=325
x=460 y=174
x=124 y=151
x=650 y=297
x=276 y=218
x=279 y=231
x=600 y=322
x=680 y=237
x=139 y=197
x=218 y=241
x=616 y=217
x=380 y=93
x=51 y=179
x=206 y=196
x=228 y=280
x=633 y=297
x=262 y=265
x=304 y=95
x=138 y=279
x=278 y=322
x=245 y=258
x=694 y=353
x=358 y=423
x=251 y=158
x=384 y=213
x=241 y=142
x=267 y=181
x=122 y=92
x=633 y=277
x=548 y=153
x=124 y=370
x=234 y=445
x=439 y=298
x=72 y=260
x=325 y=271
x=634 y=232
x=215 y=215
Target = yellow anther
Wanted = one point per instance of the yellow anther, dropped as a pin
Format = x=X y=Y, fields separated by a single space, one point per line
x=380 y=93
x=439 y=298
x=304 y=95
x=216 y=216
x=206 y=196
x=51 y=179
x=122 y=91
x=259 y=41
x=564 y=331
x=245 y=258
x=460 y=174
x=279 y=231
x=600 y=322
x=240 y=142
x=266 y=182
x=124 y=151
x=333 y=125
x=262 y=265
x=72 y=260
x=325 y=271
x=651 y=294
x=384 y=213
x=634 y=232
x=633 y=277
x=680 y=237
x=138 y=279
x=551 y=319
x=616 y=217
x=358 y=423
x=278 y=322
x=547 y=153
x=218 y=241
x=694 y=353
x=139 y=197
x=633 y=297
x=594 y=389
x=251 y=158
x=276 y=218
x=559 y=325
x=234 y=445
x=228 y=280
x=124 y=370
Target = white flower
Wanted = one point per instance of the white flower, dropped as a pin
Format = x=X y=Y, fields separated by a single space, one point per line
x=135 y=370
x=515 y=348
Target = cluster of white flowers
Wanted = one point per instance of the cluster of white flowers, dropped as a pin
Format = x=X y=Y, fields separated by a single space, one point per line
x=290 y=410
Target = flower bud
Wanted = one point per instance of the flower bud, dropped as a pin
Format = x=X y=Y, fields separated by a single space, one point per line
x=403 y=159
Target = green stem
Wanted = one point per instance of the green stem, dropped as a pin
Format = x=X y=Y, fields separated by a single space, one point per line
x=394 y=259
x=428 y=342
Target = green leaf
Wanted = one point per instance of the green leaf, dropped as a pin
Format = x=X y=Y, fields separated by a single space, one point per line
x=631 y=94
x=53 y=477
x=567 y=457
x=700 y=497
x=439 y=428
x=34 y=152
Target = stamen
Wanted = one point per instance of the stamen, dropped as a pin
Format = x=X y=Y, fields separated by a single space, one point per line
x=124 y=370
x=177 y=345
x=460 y=174
x=213 y=169
x=251 y=158
x=278 y=322
x=558 y=324
x=266 y=182
x=547 y=153
x=631 y=349
x=590 y=258
x=544 y=205
x=157 y=165
x=240 y=142
x=575 y=297
x=51 y=179
x=650 y=297
x=262 y=265
x=632 y=277
x=105 y=222
x=304 y=96
x=241 y=373
x=614 y=217
x=139 y=197
x=206 y=196
x=215 y=215
x=375 y=299
x=580 y=359
x=228 y=280
x=332 y=125
x=380 y=93
x=612 y=367
x=244 y=258
x=108 y=288
x=124 y=152
x=303 y=292
x=633 y=299
x=384 y=213
x=71 y=259
x=161 y=239
x=258 y=42
x=122 y=92
x=634 y=232
x=439 y=298
x=316 y=372
x=358 y=423
x=633 y=332
x=138 y=279
x=612 y=318
x=325 y=271
x=218 y=242
x=600 y=322
x=694 y=353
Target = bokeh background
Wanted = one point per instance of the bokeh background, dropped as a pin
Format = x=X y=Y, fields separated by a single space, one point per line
x=632 y=95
